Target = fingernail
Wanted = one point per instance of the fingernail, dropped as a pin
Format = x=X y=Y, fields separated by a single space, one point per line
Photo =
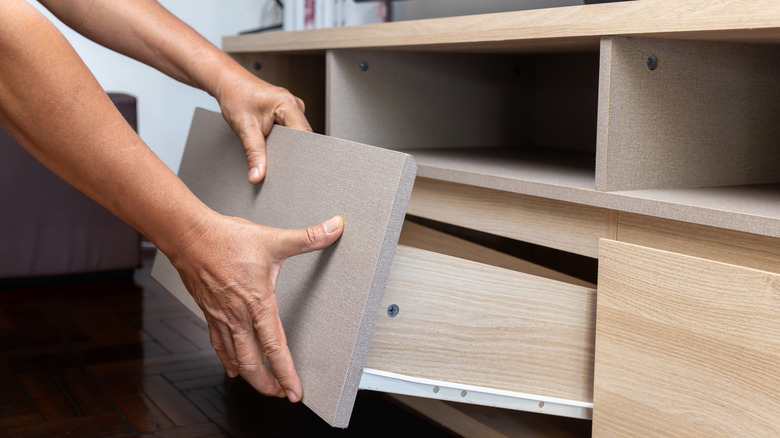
x=232 y=374
x=292 y=396
x=331 y=225
x=254 y=173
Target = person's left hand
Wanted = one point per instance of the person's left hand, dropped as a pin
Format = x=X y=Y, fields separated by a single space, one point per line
x=251 y=106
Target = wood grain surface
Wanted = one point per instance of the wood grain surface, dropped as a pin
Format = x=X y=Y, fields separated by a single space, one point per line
x=560 y=225
x=422 y=237
x=743 y=249
x=685 y=346
x=471 y=323
x=555 y=29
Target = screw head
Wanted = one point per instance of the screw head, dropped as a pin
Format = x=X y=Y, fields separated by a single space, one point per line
x=392 y=310
x=652 y=62
x=257 y=66
x=363 y=66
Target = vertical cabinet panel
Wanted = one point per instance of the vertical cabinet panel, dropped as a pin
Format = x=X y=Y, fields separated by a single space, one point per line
x=685 y=346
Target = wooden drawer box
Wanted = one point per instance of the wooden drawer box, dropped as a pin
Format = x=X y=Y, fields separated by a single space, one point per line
x=685 y=346
x=511 y=329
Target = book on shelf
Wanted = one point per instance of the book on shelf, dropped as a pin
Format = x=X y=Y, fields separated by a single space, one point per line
x=320 y=14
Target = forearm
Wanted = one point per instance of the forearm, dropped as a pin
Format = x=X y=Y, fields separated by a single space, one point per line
x=53 y=105
x=146 y=31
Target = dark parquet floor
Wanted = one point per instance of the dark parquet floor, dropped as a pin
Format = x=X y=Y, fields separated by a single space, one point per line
x=119 y=356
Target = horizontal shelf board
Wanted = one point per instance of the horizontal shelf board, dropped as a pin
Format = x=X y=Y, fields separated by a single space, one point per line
x=570 y=177
x=749 y=208
x=520 y=170
x=553 y=29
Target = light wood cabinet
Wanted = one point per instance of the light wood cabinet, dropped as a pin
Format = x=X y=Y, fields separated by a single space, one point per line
x=651 y=123
x=685 y=346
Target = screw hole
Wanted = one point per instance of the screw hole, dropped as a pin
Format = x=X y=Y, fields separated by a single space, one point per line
x=652 y=62
x=363 y=66
x=541 y=404
x=392 y=310
x=435 y=389
x=257 y=66
x=463 y=393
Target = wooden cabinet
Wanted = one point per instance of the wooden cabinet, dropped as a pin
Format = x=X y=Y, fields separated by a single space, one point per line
x=651 y=123
x=685 y=346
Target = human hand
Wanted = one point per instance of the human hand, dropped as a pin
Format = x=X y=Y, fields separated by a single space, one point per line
x=251 y=106
x=231 y=272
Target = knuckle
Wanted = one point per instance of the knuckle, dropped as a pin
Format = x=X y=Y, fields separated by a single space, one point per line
x=217 y=345
x=247 y=368
x=272 y=347
x=310 y=237
x=259 y=310
x=255 y=153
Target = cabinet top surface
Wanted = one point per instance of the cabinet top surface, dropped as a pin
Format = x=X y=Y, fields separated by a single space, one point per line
x=541 y=30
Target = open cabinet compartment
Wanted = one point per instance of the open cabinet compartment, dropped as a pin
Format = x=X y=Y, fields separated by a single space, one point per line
x=502 y=121
x=691 y=122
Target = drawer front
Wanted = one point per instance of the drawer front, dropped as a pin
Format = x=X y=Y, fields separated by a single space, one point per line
x=728 y=246
x=555 y=224
x=685 y=346
x=471 y=323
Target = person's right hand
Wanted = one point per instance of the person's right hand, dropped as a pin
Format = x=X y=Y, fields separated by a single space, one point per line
x=231 y=270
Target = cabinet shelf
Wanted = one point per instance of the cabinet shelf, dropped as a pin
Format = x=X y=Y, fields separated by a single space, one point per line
x=518 y=170
x=569 y=176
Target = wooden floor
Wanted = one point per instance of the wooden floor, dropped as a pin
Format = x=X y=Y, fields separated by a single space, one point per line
x=89 y=357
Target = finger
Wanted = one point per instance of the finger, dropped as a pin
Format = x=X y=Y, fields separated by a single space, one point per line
x=253 y=140
x=251 y=365
x=268 y=327
x=301 y=241
x=223 y=346
x=292 y=117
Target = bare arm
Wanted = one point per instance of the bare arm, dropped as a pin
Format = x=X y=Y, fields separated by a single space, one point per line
x=55 y=108
x=147 y=32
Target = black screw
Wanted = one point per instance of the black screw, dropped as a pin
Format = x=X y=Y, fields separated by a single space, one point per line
x=258 y=66
x=363 y=66
x=392 y=310
x=652 y=62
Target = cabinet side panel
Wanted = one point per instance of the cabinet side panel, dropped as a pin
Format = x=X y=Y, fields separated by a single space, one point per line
x=684 y=346
x=602 y=129
x=691 y=114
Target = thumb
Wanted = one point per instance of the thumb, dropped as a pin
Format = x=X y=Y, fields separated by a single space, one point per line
x=301 y=241
x=254 y=145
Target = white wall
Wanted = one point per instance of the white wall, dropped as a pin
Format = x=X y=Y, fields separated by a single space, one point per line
x=165 y=106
